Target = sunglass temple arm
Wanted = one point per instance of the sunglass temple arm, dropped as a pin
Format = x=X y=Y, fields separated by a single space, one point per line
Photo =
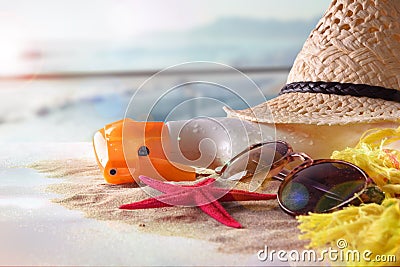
x=281 y=175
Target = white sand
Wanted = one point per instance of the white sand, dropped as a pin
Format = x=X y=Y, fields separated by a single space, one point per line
x=83 y=188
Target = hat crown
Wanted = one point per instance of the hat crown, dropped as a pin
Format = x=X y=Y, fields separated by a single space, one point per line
x=355 y=42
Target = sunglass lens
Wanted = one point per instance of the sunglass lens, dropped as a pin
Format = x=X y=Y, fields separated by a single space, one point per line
x=257 y=159
x=320 y=187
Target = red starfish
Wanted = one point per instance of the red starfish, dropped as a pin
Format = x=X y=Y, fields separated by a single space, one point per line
x=202 y=194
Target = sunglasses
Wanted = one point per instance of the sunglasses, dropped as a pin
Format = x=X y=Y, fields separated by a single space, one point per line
x=318 y=186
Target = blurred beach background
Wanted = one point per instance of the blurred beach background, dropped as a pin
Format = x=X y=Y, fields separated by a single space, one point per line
x=69 y=67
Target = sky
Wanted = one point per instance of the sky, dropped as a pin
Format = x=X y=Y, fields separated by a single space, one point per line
x=104 y=19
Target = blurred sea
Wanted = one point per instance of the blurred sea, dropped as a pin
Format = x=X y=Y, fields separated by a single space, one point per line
x=73 y=109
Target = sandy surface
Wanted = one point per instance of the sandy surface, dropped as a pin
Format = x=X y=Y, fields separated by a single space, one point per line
x=83 y=188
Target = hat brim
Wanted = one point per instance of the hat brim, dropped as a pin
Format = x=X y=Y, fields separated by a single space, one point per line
x=320 y=109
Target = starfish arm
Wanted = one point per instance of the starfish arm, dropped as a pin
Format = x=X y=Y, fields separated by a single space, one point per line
x=215 y=210
x=145 y=204
x=183 y=197
x=239 y=195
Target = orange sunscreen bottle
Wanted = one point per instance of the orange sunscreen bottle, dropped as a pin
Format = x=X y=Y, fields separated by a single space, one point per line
x=126 y=149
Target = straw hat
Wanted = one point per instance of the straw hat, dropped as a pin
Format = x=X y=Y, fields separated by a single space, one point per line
x=348 y=70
